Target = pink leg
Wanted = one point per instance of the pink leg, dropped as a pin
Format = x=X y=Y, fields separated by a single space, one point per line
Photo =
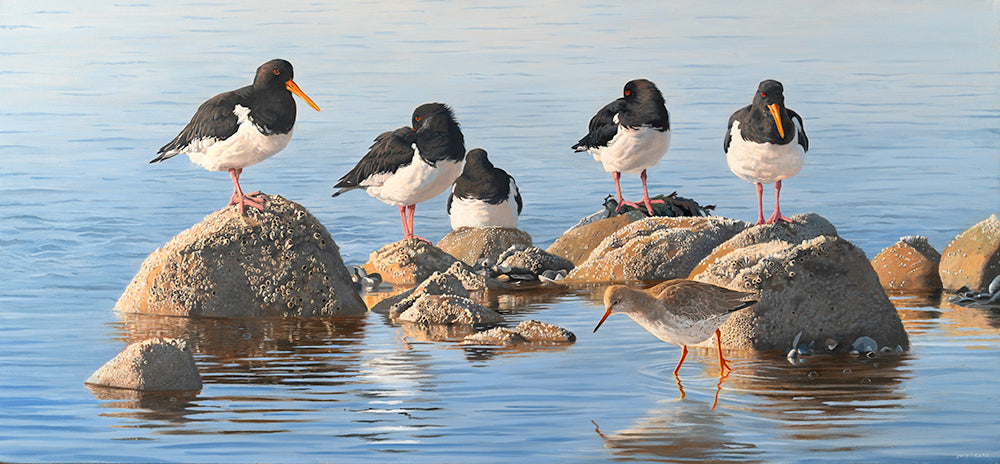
x=777 y=216
x=684 y=354
x=760 y=203
x=412 y=210
x=406 y=229
x=645 y=194
x=239 y=198
x=618 y=189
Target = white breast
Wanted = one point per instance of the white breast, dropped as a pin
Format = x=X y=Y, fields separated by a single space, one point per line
x=633 y=150
x=244 y=148
x=470 y=212
x=415 y=182
x=764 y=162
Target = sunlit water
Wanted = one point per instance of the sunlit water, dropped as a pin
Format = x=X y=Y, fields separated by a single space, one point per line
x=901 y=102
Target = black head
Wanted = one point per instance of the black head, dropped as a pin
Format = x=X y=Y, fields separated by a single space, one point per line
x=436 y=116
x=273 y=74
x=769 y=92
x=640 y=88
x=476 y=156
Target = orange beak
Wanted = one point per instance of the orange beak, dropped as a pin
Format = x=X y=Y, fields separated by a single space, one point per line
x=292 y=87
x=606 y=314
x=777 y=118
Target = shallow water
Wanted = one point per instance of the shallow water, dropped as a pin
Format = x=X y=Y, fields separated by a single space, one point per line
x=901 y=102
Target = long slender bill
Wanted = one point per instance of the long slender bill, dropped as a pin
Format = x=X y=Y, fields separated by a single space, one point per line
x=292 y=87
x=606 y=314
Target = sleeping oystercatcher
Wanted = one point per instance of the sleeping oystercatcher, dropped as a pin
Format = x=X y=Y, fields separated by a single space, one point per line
x=237 y=129
x=411 y=164
x=483 y=195
x=759 y=150
x=630 y=135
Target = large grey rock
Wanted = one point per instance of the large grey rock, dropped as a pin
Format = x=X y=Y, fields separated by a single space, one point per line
x=823 y=287
x=277 y=262
x=156 y=364
x=474 y=244
x=656 y=248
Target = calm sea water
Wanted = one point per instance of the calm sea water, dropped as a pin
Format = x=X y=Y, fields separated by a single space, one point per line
x=901 y=102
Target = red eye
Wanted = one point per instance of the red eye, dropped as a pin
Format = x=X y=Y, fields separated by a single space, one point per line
x=762 y=94
x=276 y=72
x=416 y=118
x=628 y=92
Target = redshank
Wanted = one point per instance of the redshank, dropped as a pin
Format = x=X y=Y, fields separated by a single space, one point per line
x=678 y=311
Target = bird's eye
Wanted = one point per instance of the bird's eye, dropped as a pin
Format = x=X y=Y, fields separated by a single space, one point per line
x=277 y=72
x=416 y=118
x=614 y=302
x=762 y=94
x=628 y=92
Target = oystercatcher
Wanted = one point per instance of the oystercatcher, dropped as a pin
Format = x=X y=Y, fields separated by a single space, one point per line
x=678 y=311
x=483 y=195
x=236 y=129
x=758 y=148
x=630 y=134
x=411 y=164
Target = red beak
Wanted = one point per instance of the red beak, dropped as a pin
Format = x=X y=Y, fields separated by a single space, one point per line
x=606 y=314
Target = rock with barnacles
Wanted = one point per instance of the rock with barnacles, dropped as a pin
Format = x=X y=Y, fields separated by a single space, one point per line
x=972 y=259
x=408 y=261
x=156 y=364
x=448 y=309
x=576 y=244
x=656 y=248
x=530 y=331
x=457 y=280
x=911 y=264
x=277 y=262
x=824 y=287
x=530 y=261
x=472 y=245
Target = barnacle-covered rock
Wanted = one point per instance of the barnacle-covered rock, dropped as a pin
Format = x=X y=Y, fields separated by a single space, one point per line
x=277 y=262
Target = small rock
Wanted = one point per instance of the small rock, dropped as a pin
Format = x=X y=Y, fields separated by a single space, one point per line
x=156 y=364
x=864 y=345
x=408 y=262
x=474 y=244
x=911 y=264
x=972 y=259
x=529 y=331
x=499 y=336
x=440 y=283
x=533 y=261
x=448 y=309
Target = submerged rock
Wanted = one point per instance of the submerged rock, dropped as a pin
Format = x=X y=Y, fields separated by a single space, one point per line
x=656 y=248
x=277 y=262
x=408 y=262
x=972 y=259
x=471 y=245
x=824 y=287
x=529 y=331
x=156 y=364
x=911 y=264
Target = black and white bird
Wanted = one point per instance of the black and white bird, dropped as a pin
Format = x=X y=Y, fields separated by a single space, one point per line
x=411 y=164
x=761 y=149
x=483 y=195
x=236 y=129
x=630 y=135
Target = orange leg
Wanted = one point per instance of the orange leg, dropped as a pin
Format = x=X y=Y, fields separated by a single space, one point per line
x=684 y=354
x=723 y=365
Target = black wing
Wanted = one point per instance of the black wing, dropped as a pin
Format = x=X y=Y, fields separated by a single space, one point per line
x=739 y=114
x=213 y=120
x=517 y=196
x=389 y=152
x=602 y=127
x=803 y=140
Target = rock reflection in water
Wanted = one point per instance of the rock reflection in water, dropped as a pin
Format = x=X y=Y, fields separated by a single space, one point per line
x=309 y=351
x=170 y=407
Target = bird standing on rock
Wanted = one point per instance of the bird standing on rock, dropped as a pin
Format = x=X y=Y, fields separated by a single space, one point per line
x=484 y=195
x=630 y=135
x=241 y=128
x=678 y=311
x=411 y=164
x=765 y=143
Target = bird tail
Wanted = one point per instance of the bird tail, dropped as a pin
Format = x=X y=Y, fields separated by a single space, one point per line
x=164 y=155
x=345 y=189
x=583 y=144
